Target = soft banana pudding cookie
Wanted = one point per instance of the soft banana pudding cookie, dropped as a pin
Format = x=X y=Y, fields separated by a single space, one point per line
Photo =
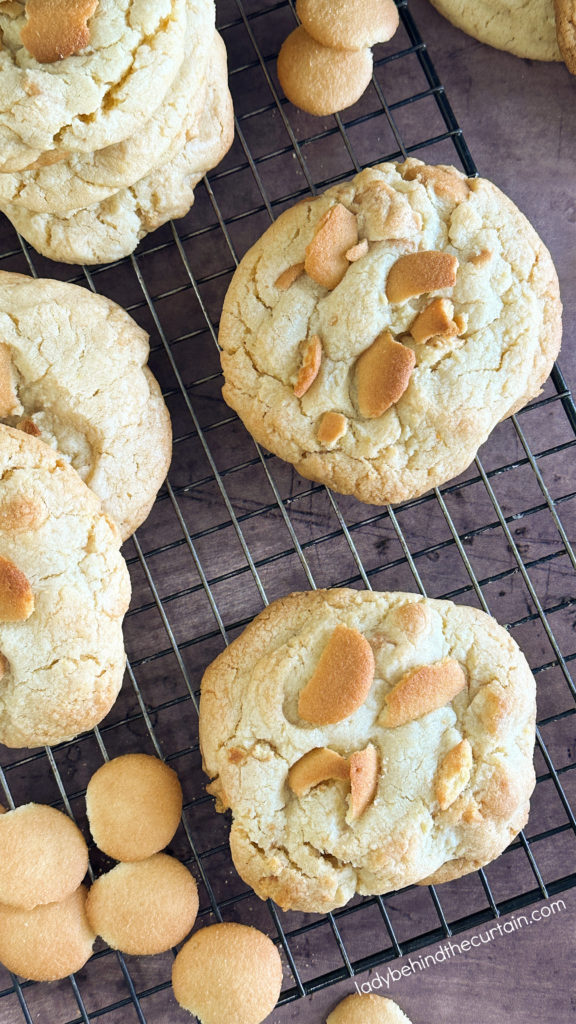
x=83 y=179
x=112 y=228
x=64 y=589
x=365 y=742
x=85 y=75
x=376 y=334
x=73 y=372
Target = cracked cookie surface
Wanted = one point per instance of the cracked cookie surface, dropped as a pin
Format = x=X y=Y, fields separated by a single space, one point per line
x=102 y=94
x=62 y=666
x=523 y=27
x=83 y=179
x=452 y=784
x=111 y=229
x=73 y=372
x=441 y=273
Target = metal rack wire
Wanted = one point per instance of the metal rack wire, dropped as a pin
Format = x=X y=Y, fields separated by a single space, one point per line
x=235 y=527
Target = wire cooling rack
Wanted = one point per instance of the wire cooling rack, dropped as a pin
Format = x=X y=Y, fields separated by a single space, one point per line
x=235 y=528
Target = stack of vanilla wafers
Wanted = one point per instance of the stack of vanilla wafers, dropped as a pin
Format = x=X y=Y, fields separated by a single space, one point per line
x=111 y=111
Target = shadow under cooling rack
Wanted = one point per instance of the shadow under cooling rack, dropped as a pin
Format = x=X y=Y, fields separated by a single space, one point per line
x=235 y=528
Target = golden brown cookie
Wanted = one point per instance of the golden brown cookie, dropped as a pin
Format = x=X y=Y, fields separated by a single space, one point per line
x=228 y=972
x=321 y=80
x=411 y=766
x=48 y=942
x=367 y=1009
x=144 y=908
x=73 y=372
x=43 y=856
x=427 y=310
x=348 y=24
x=134 y=803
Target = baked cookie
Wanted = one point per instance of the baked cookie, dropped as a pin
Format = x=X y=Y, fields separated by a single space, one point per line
x=113 y=228
x=43 y=856
x=367 y=1009
x=134 y=803
x=83 y=179
x=565 y=12
x=375 y=335
x=64 y=589
x=73 y=372
x=365 y=742
x=248 y=961
x=49 y=942
x=144 y=908
x=101 y=93
x=348 y=24
x=317 y=78
x=523 y=27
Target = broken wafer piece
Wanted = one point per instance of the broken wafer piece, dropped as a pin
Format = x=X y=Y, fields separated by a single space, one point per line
x=341 y=681
x=363 y=780
x=480 y=259
x=311 y=359
x=422 y=690
x=357 y=251
x=383 y=373
x=16 y=597
x=325 y=260
x=333 y=426
x=288 y=276
x=453 y=774
x=436 y=319
x=447 y=182
x=56 y=28
x=319 y=765
x=416 y=273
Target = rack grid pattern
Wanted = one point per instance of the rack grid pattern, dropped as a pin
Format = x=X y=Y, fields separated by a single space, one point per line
x=234 y=528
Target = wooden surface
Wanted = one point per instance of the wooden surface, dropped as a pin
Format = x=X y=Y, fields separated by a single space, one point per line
x=519 y=119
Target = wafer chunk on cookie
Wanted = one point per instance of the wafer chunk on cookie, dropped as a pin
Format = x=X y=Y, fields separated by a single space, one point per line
x=437 y=312
x=346 y=773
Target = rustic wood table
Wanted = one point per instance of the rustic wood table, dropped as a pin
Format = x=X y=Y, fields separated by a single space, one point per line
x=235 y=527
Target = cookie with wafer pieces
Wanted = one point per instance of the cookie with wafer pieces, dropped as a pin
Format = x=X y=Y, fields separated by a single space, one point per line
x=433 y=311
x=350 y=773
x=112 y=228
x=82 y=179
x=73 y=373
x=56 y=99
x=565 y=12
x=62 y=665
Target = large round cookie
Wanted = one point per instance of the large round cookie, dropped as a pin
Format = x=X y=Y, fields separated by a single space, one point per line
x=64 y=589
x=105 y=92
x=524 y=27
x=73 y=372
x=112 y=229
x=375 y=335
x=365 y=742
x=87 y=178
